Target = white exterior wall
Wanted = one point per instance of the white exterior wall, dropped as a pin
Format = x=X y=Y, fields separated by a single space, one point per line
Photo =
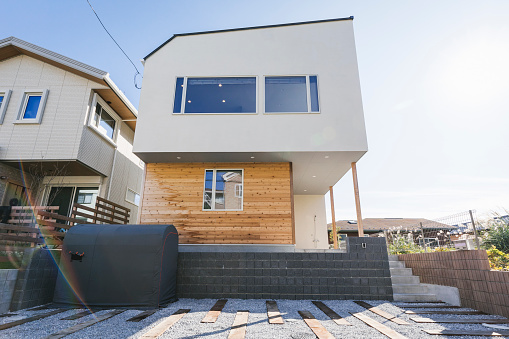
x=58 y=136
x=310 y=222
x=323 y=49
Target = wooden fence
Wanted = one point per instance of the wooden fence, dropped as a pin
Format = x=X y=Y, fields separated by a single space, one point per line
x=30 y=226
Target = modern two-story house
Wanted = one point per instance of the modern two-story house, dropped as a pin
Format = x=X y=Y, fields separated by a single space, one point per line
x=66 y=132
x=244 y=131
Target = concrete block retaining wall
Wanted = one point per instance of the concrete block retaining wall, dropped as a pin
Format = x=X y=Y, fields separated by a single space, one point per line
x=7 y=282
x=479 y=287
x=361 y=273
x=36 y=279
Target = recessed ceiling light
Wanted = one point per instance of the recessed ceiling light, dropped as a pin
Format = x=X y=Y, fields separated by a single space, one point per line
x=314 y=176
x=305 y=190
x=326 y=157
x=178 y=158
x=252 y=157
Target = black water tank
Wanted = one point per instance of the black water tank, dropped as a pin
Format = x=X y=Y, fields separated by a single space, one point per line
x=118 y=266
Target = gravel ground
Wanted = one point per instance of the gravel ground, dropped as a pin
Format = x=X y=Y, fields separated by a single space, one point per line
x=258 y=327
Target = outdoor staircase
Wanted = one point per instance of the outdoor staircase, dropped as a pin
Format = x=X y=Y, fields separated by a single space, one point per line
x=407 y=287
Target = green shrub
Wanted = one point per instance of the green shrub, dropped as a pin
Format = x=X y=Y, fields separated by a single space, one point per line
x=497 y=235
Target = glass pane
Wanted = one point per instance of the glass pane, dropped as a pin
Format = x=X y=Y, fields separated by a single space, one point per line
x=285 y=94
x=221 y=95
x=226 y=182
x=107 y=124
x=97 y=115
x=32 y=107
x=1 y=99
x=179 y=87
x=313 y=88
x=207 y=194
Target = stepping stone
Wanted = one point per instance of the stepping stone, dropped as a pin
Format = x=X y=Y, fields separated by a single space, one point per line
x=500 y=333
x=460 y=321
x=29 y=319
x=331 y=314
x=79 y=327
x=238 y=330
x=381 y=313
x=166 y=324
x=142 y=315
x=273 y=313
x=315 y=326
x=214 y=312
x=378 y=326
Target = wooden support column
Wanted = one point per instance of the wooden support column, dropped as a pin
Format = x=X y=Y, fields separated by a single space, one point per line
x=357 y=200
x=334 y=231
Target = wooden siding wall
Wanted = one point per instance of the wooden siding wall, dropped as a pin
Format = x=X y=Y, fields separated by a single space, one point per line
x=173 y=194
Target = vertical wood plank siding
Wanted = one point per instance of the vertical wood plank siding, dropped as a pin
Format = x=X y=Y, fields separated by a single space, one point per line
x=173 y=194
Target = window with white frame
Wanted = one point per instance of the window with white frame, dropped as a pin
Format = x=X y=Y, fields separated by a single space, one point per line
x=291 y=94
x=5 y=95
x=215 y=95
x=103 y=119
x=32 y=106
x=223 y=189
x=132 y=197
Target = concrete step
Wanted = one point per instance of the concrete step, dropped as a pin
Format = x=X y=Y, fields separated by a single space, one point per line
x=410 y=289
x=396 y=264
x=405 y=279
x=415 y=297
x=393 y=257
x=401 y=271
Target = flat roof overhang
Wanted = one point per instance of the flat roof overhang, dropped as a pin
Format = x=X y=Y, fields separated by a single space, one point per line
x=313 y=172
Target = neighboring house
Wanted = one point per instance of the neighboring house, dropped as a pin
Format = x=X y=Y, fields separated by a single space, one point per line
x=373 y=226
x=66 y=132
x=244 y=131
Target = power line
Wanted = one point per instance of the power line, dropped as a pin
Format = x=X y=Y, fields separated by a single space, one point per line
x=137 y=72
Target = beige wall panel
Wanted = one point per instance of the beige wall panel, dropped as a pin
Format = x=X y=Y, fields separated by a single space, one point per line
x=173 y=194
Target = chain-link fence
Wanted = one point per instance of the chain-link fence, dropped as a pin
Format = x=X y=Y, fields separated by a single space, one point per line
x=458 y=231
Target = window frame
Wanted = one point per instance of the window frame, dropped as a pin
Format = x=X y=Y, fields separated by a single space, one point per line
x=214 y=171
x=5 y=102
x=184 y=93
x=23 y=104
x=308 y=93
x=104 y=105
x=135 y=194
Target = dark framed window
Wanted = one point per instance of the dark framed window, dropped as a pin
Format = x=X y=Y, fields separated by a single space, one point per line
x=223 y=189
x=291 y=94
x=215 y=95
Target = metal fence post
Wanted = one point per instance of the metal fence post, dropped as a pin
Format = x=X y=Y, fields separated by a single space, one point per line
x=475 y=230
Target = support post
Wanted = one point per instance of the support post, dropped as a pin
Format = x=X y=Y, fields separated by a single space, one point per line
x=334 y=230
x=423 y=241
x=360 y=229
x=475 y=229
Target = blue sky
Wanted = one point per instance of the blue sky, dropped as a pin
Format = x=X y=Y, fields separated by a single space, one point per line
x=434 y=77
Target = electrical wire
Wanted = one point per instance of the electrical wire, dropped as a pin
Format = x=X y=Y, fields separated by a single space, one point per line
x=137 y=72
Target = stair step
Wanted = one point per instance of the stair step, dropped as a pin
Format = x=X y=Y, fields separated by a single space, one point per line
x=401 y=271
x=393 y=257
x=410 y=289
x=415 y=297
x=397 y=264
x=405 y=279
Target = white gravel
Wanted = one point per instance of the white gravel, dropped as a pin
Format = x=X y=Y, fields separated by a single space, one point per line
x=258 y=327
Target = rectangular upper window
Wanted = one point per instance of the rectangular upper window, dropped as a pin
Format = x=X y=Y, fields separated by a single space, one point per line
x=132 y=197
x=291 y=94
x=32 y=107
x=103 y=119
x=215 y=95
x=223 y=190
x=4 y=101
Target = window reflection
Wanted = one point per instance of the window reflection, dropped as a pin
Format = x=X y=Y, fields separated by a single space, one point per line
x=223 y=190
x=220 y=95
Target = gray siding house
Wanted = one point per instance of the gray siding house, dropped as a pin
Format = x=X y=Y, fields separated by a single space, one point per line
x=66 y=132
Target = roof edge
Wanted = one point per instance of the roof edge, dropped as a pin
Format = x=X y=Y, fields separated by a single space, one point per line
x=244 y=29
x=120 y=95
x=87 y=69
